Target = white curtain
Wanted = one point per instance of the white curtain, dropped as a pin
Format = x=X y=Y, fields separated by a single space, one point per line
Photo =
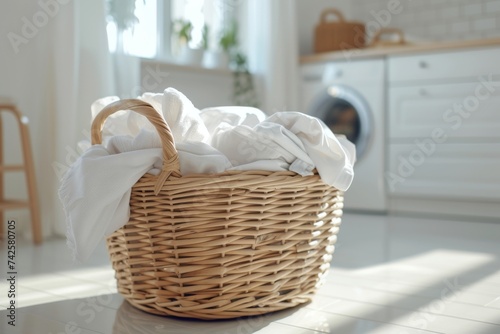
x=88 y=76
x=271 y=43
x=54 y=64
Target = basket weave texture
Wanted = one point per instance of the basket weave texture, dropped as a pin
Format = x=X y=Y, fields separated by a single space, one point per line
x=338 y=35
x=238 y=243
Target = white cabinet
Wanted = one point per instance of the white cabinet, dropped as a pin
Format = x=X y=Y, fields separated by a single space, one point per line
x=460 y=171
x=462 y=110
x=444 y=132
x=443 y=66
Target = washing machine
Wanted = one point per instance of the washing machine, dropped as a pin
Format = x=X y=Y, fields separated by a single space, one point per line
x=349 y=97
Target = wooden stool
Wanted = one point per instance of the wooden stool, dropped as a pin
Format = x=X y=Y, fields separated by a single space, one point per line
x=27 y=167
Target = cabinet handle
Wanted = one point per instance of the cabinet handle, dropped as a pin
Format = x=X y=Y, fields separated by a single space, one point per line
x=423 y=64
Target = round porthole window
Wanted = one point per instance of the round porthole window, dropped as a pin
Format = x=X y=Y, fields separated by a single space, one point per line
x=345 y=112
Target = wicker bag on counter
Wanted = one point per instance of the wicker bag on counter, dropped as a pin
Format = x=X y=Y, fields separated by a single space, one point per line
x=337 y=35
x=233 y=244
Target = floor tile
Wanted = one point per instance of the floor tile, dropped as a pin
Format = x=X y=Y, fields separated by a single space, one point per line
x=326 y=322
x=444 y=306
x=275 y=328
x=389 y=274
x=104 y=275
x=425 y=318
x=66 y=287
x=467 y=294
x=30 y=324
x=28 y=297
x=88 y=313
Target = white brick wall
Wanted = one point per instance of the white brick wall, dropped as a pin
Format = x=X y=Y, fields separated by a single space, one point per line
x=436 y=20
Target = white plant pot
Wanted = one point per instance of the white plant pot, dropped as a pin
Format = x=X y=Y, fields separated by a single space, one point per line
x=189 y=56
x=216 y=59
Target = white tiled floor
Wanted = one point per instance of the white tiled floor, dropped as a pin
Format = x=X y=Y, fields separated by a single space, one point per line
x=390 y=275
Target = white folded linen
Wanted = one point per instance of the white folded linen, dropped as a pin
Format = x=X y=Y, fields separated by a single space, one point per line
x=96 y=190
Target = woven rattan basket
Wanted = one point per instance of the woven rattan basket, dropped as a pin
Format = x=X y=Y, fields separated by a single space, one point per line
x=234 y=244
x=337 y=35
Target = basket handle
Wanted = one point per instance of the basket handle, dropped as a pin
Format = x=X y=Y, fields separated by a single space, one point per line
x=384 y=31
x=170 y=156
x=336 y=12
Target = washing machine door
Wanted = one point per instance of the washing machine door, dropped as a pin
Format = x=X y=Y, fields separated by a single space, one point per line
x=345 y=112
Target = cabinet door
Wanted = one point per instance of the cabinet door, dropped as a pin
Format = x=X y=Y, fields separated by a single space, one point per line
x=447 y=171
x=444 y=65
x=467 y=110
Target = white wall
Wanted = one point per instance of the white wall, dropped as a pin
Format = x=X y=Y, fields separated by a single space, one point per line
x=308 y=13
x=23 y=66
x=438 y=20
x=205 y=88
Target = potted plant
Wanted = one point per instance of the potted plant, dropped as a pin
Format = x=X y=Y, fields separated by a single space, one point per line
x=228 y=42
x=229 y=38
x=210 y=57
x=182 y=29
x=244 y=93
x=204 y=37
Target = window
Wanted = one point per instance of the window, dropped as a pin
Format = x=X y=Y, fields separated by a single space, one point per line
x=142 y=39
x=150 y=36
x=214 y=13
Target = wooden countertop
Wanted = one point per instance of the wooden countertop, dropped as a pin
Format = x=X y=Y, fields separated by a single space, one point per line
x=383 y=51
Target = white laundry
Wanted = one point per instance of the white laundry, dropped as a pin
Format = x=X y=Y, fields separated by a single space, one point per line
x=222 y=117
x=194 y=157
x=293 y=141
x=178 y=111
x=123 y=122
x=184 y=119
x=96 y=191
x=333 y=159
x=95 y=194
x=265 y=142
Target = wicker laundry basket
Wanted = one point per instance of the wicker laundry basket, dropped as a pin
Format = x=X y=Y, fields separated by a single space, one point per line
x=238 y=243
